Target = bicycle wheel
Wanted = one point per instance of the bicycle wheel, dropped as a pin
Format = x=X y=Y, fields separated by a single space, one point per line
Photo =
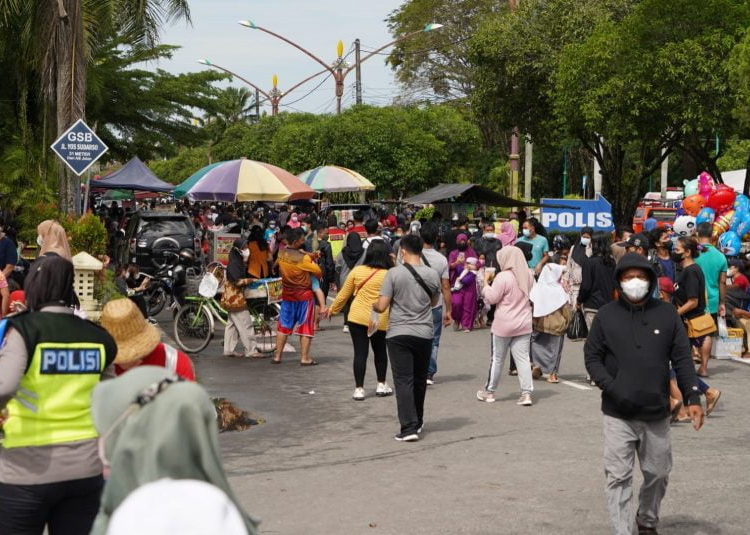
x=193 y=327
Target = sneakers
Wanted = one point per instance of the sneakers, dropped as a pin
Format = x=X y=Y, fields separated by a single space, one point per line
x=345 y=329
x=359 y=394
x=712 y=398
x=484 y=395
x=430 y=379
x=419 y=429
x=383 y=390
x=407 y=437
x=524 y=400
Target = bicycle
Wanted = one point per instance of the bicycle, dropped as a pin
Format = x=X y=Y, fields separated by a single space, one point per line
x=195 y=322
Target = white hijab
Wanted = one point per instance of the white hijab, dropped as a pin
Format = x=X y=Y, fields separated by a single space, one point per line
x=548 y=294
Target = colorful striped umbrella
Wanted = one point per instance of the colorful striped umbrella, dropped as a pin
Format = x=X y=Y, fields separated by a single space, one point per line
x=334 y=179
x=181 y=190
x=248 y=180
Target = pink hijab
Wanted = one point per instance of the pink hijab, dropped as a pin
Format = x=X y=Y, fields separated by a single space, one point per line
x=512 y=259
x=507 y=234
x=294 y=221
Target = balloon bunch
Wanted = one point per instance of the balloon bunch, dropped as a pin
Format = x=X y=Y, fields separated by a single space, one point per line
x=718 y=204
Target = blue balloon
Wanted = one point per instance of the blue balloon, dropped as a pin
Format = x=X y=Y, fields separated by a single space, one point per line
x=706 y=215
x=737 y=219
x=730 y=243
x=744 y=227
x=742 y=203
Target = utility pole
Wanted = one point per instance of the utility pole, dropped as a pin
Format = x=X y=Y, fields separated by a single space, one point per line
x=527 y=168
x=257 y=104
x=515 y=163
x=358 y=71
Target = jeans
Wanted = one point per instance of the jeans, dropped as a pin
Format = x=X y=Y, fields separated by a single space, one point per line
x=519 y=348
x=623 y=439
x=437 y=330
x=362 y=344
x=65 y=507
x=410 y=356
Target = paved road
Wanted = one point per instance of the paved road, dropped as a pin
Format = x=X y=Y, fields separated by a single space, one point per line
x=325 y=464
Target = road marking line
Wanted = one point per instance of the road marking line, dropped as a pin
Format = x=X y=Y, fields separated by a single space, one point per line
x=575 y=385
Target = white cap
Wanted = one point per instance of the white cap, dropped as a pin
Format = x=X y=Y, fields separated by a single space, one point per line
x=170 y=506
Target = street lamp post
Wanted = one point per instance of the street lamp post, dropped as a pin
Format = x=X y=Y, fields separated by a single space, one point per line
x=339 y=69
x=274 y=96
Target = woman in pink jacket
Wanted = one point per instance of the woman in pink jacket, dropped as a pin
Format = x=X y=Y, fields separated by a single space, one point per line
x=511 y=328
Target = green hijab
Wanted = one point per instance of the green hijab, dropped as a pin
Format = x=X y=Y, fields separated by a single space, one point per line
x=173 y=436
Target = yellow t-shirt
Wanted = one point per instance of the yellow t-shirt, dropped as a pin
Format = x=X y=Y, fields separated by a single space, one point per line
x=367 y=295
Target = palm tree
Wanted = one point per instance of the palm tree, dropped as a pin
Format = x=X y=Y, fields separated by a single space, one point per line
x=62 y=35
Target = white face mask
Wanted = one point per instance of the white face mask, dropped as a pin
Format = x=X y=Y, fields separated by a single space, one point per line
x=635 y=289
x=39 y=241
x=245 y=254
x=526 y=232
x=489 y=235
x=585 y=241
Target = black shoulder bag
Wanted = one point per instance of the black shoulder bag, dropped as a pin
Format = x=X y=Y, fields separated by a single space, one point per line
x=419 y=280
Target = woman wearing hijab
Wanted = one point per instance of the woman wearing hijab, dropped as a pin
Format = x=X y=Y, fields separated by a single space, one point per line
x=511 y=327
x=50 y=362
x=551 y=317
x=464 y=298
x=577 y=257
x=240 y=326
x=353 y=254
x=51 y=238
x=154 y=426
x=294 y=221
x=260 y=256
x=457 y=257
x=507 y=234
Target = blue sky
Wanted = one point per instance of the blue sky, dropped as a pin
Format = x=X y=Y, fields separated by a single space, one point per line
x=314 y=24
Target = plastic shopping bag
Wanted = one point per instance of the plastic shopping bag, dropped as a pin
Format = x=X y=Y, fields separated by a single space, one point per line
x=722 y=327
x=372 y=328
x=577 y=329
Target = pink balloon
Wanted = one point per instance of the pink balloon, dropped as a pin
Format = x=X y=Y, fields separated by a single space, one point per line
x=706 y=185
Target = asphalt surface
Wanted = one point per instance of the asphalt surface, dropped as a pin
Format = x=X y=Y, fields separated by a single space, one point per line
x=325 y=464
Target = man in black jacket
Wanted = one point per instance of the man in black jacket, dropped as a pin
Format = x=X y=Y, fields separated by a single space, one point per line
x=628 y=352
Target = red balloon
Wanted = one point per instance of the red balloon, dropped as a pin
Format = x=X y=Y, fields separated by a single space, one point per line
x=694 y=204
x=722 y=199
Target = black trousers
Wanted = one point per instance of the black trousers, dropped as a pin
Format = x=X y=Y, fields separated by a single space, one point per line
x=362 y=344
x=410 y=357
x=65 y=507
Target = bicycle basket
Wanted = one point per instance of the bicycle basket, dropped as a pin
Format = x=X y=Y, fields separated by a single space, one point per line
x=209 y=285
x=192 y=284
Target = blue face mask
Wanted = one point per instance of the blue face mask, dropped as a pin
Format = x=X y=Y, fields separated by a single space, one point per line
x=526 y=233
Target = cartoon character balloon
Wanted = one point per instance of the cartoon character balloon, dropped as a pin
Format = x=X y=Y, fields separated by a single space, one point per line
x=744 y=227
x=706 y=215
x=693 y=204
x=722 y=199
x=721 y=224
x=684 y=225
x=737 y=218
x=691 y=187
x=730 y=243
x=705 y=185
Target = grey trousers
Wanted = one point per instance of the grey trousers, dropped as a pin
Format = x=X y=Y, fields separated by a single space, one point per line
x=519 y=348
x=239 y=328
x=623 y=439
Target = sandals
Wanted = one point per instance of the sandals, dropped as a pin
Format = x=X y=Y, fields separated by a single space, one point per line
x=311 y=363
x=553 y=378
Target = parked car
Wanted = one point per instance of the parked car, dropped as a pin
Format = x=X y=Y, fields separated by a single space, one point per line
x=664 y=216
x=151 y=239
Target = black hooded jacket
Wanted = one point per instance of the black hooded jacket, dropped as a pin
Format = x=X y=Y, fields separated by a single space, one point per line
x=629 y=349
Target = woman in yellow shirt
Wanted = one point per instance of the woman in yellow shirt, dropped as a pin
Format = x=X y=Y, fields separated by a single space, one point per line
x=363 y=284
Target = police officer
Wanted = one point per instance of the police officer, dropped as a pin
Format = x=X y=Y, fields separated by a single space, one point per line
x=50 y=362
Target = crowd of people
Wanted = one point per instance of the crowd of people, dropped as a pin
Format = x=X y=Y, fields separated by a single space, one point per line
x=646 y=301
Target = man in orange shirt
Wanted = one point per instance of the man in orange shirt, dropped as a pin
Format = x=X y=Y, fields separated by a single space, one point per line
x=297 y=298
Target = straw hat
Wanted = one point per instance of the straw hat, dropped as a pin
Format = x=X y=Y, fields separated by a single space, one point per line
x=135 y=337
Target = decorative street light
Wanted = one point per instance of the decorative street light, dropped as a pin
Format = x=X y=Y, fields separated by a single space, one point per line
x=339 y=69
x=274 y=96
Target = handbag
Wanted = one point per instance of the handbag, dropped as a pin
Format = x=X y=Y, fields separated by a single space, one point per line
x=555 y=323
x=702 y=325
x=577 y=330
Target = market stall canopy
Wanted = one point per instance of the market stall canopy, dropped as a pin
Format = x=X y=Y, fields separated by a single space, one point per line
x=134 y=175
x=467 y=193
x=335 y=179
x=247 y=180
